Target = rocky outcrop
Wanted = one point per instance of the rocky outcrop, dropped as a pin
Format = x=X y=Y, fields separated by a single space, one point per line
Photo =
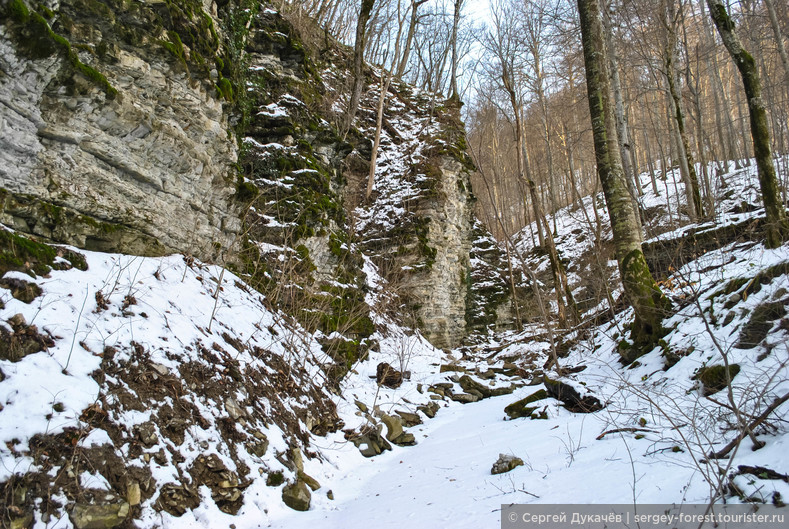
x=418 y=225
x=440 y=289
x=491 y=304
x=107 y=140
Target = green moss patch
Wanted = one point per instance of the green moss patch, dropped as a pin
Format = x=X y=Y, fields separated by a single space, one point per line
x=715 y=378
x=521 y=407
x=24 y=255
x=762 y=319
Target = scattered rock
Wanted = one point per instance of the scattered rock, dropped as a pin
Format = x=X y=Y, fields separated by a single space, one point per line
x=521 y=407
x=714 y=378
x=133 y=495
x=223 y=483
x=430 y=409
x=388 y=376
x=105 y=514
x=394 y=426
x=409 y=419
x=394 y=431
x=570 y=397
x=361 y=405
x=146 y=433
x=258 y=448
x=487 y=375
x=297 y=496
x=20 y=289
x=311 y=482
x=464 y=398
x=294 y=455
x=234 y=409
x=762 y=319
x=330 y=495
x=25 y=340
x=160 y=369
x=449 y=368
x=505 y=463
x=371 y=444
x=470 y=385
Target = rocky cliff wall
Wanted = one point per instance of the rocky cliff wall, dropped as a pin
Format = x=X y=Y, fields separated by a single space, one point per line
x=119 y=123
x=417 y=225
x=108 y=140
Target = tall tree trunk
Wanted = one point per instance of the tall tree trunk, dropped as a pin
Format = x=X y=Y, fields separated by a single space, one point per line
x=779 y=41
x=717 y=91
x=679 y=114
x=358 y=63
x=777 y=226
x=640 y=287
x=453 y=81
x=622 y=133
x=415 y=4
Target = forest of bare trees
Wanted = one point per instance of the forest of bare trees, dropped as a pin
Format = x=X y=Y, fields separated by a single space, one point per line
x=518 y=67
x=679 y=99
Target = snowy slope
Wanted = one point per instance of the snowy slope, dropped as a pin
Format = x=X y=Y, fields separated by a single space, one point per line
x=115 y=377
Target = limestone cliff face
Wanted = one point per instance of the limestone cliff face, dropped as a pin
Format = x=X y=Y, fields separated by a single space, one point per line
x=146 y=170
x=442 y=286
x=418 y=224
x=118 y=125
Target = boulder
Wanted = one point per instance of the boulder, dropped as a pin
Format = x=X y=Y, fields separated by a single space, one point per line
x=505 y=463
x=308 y=480
x=465 y=398
x=388 y=376
x=371 y=444
x=475 y=387
x=571 y=398
x=394 y=431
x=471 y=386
x=715 y=378
x=409 y=419
x=106 y=513
x=394 y=426
x=297 y=496
x=521 y=407
x=430 y=409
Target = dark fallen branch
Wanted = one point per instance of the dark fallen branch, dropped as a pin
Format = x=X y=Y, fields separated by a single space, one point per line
x=620 y=430
x=723 y=452
x=762 y=472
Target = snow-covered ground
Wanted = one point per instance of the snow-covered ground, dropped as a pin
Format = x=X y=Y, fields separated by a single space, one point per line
x=649 y=444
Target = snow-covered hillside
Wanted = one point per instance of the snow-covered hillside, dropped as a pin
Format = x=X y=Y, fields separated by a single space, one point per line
x=161 y=392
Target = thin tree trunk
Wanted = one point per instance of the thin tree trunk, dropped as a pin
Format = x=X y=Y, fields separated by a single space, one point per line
x=415 y=4
x=358 y=63
x=679 y=115
x=453 y=82
x=779 y=41
x=386 y=78
x=777 y=226
x=650 y=164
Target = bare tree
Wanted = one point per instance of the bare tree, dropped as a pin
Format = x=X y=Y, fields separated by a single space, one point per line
x=360 y=43
x=640 y=287
x=453 y=82
x=777 y=226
